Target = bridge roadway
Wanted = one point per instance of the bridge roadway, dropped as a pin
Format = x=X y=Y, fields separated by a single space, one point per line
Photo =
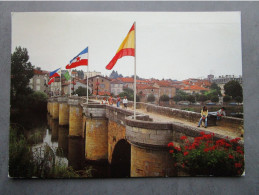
x=222 y=130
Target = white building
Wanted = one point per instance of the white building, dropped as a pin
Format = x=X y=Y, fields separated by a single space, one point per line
x=39 y=82
x=91 y=74
x=116 y=87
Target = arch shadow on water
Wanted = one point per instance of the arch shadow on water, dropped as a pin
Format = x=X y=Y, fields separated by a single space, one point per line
x=120 y=165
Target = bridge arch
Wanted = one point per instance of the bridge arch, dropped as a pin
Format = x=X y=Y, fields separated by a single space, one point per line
x=121 y=157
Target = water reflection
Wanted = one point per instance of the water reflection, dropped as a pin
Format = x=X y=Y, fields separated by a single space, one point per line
x=76 y=153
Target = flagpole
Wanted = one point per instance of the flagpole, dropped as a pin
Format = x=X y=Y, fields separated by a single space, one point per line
x=87 y=78
x=135 y=83
x=70 y=83
x=60 y=82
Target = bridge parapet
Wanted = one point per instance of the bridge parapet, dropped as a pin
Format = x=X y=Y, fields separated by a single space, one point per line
x=75 y=100
x=230 y=122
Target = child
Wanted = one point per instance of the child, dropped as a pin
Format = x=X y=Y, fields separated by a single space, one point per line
x=221 y=112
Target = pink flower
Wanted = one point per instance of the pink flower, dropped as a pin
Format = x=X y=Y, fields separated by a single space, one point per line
x=171 y=144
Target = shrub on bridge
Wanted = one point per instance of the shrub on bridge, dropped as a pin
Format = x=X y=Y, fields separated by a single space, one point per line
x=151 y=98
x=205 y=156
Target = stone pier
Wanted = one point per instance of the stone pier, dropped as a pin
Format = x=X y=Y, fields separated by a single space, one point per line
x=63 y=111
x=75 y=116
x=96 y=135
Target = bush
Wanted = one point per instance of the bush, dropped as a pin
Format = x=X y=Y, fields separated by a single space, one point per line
x=215 y=99
x=191 y=98
x=151 y=98
x=239 y=99
x=227 y=98
x=205 y=156
x=82 y=91
x=164 y=98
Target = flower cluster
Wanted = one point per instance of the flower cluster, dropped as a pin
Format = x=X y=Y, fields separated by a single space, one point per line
x=205 y=156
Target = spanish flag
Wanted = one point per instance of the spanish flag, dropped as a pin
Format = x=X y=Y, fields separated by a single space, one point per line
x=127 y=48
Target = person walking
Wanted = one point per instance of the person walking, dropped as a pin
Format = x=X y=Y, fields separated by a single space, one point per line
x=118 y=101
x=110 y=100
x=204 y=116
x=125 y=102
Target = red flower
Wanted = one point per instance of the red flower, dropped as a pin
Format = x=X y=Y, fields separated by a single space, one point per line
x=183 y=165
x=240 y=151
x=230 y=156
x=171 y=151
x=238 y=148
x=202 y=133
x=177 y=148
x=206 y=149
x=228 y=145
x=171 y=144
x=185 y=153
x=238 y=165
x=183 y=138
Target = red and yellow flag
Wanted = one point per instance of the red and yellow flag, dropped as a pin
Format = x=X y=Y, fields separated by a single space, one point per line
x=127 y=48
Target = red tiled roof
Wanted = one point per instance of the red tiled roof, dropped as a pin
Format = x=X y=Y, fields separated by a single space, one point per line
x=40 y=72
x=145 y=86
x=126 y=80
x=195 y=87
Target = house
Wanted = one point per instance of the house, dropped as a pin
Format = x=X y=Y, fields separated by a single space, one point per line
x=39 y=82
x=143 y=90
x=194 y=89
x=100 y=84
x=165 y=88
x=116 y=86
x=91 y=74
x=55 y=87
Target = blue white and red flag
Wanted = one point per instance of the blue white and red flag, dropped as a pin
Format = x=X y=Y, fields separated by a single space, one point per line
x=55 y=73
x=51 y=81
x=80 y=60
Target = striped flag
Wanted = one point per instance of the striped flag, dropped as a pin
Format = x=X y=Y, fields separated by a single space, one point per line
x=80 y=60
x=55 y=73
x=127 y=48
x=51 y=81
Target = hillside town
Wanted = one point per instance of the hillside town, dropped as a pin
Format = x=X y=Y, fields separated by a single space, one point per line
x=115 y=84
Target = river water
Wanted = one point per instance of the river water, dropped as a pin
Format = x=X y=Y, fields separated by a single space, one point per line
x=68 y=150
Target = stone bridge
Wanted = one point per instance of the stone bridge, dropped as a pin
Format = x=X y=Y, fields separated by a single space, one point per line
x=111 y=134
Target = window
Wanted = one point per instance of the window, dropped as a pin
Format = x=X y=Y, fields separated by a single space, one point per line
x=37 y=88
x=38 y=81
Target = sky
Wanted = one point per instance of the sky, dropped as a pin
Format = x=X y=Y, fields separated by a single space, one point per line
x=169 y=45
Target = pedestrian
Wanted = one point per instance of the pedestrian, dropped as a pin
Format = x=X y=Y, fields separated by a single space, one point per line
x=110 y=100
x=125 y=102
x=118 y=101
x=221 y=112
x=204 y=116
x=104 y=101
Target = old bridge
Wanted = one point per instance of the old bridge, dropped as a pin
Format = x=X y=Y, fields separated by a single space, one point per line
x=111 y=134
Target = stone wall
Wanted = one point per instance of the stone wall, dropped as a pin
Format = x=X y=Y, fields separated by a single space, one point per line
x=116 y=132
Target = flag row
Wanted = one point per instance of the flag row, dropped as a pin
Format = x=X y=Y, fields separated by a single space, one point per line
x=127 y=48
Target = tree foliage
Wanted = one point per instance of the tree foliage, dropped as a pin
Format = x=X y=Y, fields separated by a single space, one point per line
x=21 y=73
x=115 y=75
x=214 y=86
x=82 y=91
x=226 y=98
x=191 y=98
x=151 y=98
x=130 y=94
x=233 y=89
x=164 y=98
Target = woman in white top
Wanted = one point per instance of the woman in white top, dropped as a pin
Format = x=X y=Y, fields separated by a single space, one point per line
x=125 y=102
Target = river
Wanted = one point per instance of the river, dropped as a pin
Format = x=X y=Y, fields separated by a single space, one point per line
x=68 y=150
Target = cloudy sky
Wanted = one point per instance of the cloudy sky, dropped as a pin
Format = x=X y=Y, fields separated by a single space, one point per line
x=176 y=45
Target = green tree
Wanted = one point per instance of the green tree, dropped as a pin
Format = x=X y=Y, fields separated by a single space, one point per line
x=82 y=91
x=202 y=98
x=215 y=98
x=151 y=98
x=130 y=94
x=21 y=73
x=226 y=98
x=191 y=98
x=233 y=89
x=164 y=98
x=177 y=98
x=214 y=86
x=239 y=99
